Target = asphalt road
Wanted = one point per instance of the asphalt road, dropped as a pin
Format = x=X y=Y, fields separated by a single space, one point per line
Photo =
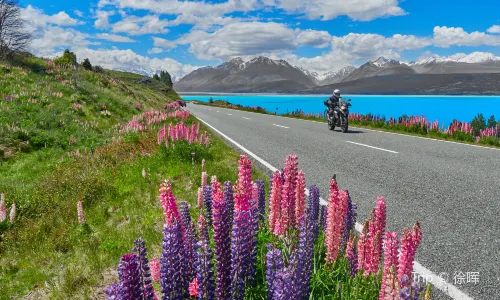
x=452 y=189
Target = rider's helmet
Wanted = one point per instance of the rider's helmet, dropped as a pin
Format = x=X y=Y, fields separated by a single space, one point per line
x=336 y=92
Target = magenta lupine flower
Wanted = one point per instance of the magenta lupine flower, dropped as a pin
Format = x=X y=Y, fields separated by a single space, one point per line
x=287 y=216
x=204 y=271
x=390 y=259
x=145 y=273
x=12 y=214
x=300 y=196
x=155 y=269
x=274 y=263
x=409 y=244
x=3 y=209
x=275 y=201
x=169 y=205
x=350 y=220
x=261 y=191
x=203 y=179
x=380 y=218
x=207 y=203
x=352 y=254
x=130 y=277
x=194 y=288
x=79 y=208
x=222 y=239
x=172 y=262
x=200 y=197
x=337 y=209
x=364 y=247
x=372 y=258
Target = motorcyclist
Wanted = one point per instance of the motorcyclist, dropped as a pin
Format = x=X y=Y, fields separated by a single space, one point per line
x=333 y=101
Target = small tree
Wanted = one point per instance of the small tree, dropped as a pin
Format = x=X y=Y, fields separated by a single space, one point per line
x=68 y=58
x=14 y=37
x=87 y=65
x=491 y=122
x=478 y=123
x=156 y=77
x=166 y=78
x=210 y=100
x=98 y=69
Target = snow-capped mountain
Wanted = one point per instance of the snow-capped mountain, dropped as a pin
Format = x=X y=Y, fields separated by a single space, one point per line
x=473 y=58
x=476 y=62
x=380 y=67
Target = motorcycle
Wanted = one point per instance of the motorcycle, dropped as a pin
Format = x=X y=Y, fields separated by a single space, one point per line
x=339 y=116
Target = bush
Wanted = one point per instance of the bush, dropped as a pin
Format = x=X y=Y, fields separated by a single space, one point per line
x=87 y=65
x=98 y=69
x=68 y=58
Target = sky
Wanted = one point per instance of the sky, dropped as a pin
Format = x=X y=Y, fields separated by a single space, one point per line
x=318 y=35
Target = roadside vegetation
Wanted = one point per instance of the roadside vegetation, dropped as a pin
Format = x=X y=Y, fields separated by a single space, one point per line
x=480 y=130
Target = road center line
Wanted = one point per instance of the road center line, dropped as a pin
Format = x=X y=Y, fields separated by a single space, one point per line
x=229 y=114
x=246 y=118
x=217 y=111
x=280 y=126
x=372 y=147
x=446 y=287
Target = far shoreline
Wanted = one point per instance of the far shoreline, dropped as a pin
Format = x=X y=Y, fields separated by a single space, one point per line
x=323 y=95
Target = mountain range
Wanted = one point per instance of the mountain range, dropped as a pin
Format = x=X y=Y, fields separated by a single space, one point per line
x=436 y=75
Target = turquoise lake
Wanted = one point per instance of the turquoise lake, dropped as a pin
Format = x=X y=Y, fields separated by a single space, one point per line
x=435 y=108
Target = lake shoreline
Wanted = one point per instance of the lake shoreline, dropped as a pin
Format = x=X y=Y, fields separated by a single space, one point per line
x=327 y=95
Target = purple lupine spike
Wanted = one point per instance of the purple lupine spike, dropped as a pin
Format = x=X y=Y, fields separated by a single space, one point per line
x=283 y=284
x=352 y=255
x=349 y=221
x=303 y=259
x=113 y=291
x=417 y=290
x=254 y=232
x=240 y=252
x=405 y=293
x=131 y=285
x=262 y=198
x=184 y=212
x=204 y=272
x=222 y=239
x=323 y=215
x=207 y=202
x=274 y=262
x=140 y=250
x=313 y=203
x=229 y=198
x=172 y=259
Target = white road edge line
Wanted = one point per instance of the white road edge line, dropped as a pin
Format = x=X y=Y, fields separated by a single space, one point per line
x=280 y=126
x=395 y=133
x=372 y=147
x=246 y=118
x=448 y=288
x=229 y=114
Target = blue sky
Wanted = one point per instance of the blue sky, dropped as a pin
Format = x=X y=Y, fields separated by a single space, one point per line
x=318 y=35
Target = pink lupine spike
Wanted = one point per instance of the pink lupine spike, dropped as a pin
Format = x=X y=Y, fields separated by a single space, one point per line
x=390 y=260
x=405 y=263
x=79 y=206
x=3 y=209
x=200 y=197
x=203 y=164
x=169 y=205
x=12 y=214
x=363 y=247
x=380 y=218
x=300 y=193
x=337 y=210
x=243 y=189
x=203 y=179
x=275 y=200
x=155 y=269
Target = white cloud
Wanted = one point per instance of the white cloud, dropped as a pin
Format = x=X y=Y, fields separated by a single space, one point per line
x=155 y=50
x=114 y=38
x=78 y=13
x=494 y=29
x=445 y=37
x=36 y=18
x=134 y=25
x=47 y=40
x=319 y=39
x=129 y=60
x=102 y=18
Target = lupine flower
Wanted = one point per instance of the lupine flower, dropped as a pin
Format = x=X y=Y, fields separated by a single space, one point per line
x=304 y=257
x=364 y=247
x=3 y=209
x=274 y=262
x=352 y=255
x=287 y=216
x=313 y=205
x=380 y=218
x=79 y=207
x=143 y=173
x=12 y=214
x=275 y=200
x=243 y=192
x=261 y=198
x=203 y=179
x=300 y=196
x=229 y=198
x=200 y=197
x=130 y=279
x=189 y=245
x=392 y=287
x=254 y=231
x=390 y=259
x=372 y=258
x=154 y=265
x=204 y=272
x=202 y=163
x=350 y=220
x=113 y=291
x=203 y=229
x=323 y=217
x=337 y=209
x=409 y=243
x=184 y=213
x=140 y=250
x=172 y=261
x=194 y=288
x=207 y=203
x=222 y=239
x=169 y=205
x=283 y=284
